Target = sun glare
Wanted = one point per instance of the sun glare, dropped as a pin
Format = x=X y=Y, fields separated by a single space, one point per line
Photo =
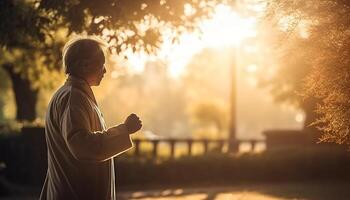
x=224 y=29
x=252 y=68
x=227 y=28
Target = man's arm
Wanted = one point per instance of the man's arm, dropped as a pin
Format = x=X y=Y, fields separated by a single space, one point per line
x=86 y=145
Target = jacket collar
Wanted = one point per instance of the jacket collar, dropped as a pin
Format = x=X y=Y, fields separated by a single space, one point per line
x=82 y=85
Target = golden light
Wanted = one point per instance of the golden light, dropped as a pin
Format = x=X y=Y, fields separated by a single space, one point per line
x=300 y=117
x=252 y=68
x=301 y=27
x=252 y=81
x=250 y=49
x=224 y=29
x=227 y=28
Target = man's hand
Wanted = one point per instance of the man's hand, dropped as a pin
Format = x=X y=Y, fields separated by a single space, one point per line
x=133 y=123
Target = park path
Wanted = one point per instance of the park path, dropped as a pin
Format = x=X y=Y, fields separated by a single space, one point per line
x=197 y=194
x=264 y=191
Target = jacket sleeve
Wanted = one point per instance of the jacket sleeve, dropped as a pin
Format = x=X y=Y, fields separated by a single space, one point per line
x=83 y=143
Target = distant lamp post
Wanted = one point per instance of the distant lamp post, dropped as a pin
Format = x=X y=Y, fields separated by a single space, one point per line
x=233 y=144
x=244 y=28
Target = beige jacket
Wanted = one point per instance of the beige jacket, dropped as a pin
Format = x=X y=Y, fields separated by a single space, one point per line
x=80 y=149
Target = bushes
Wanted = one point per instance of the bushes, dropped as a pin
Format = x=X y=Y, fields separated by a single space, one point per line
x=25 y=156
x=26 y=160
x=314 y=164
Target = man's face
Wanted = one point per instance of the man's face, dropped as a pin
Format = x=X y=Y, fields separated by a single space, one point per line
x=95 y=78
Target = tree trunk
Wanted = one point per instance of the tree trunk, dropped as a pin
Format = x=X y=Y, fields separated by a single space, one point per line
x=25 y=96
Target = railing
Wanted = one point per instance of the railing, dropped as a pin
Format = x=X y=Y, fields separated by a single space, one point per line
x=219 y=144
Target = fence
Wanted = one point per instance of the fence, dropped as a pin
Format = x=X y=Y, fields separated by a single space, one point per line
x=219 y=144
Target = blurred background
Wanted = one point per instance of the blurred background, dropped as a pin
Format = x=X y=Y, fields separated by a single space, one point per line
x=241 y=99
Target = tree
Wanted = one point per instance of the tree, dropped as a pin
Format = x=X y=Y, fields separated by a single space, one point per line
x=287 y=84
x=209 y=114
x=25 y=48
x=4 y=88
x=208 y=95
x=327 y=45
x=128 y=24
x=135 y=25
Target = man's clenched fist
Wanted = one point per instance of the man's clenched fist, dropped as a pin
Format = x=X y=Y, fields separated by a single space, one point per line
x=133 y=123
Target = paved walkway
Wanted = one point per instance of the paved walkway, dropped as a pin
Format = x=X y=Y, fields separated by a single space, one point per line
x=199 y=194
x=282 y=191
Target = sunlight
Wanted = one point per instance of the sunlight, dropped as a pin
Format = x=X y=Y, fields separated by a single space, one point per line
x=289 y=23
x=252 y=68
x=226 y=28
x=300 y=117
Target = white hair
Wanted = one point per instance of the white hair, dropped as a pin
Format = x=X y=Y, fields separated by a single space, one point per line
x=80 y=52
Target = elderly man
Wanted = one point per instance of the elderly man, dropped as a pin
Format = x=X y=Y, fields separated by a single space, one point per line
x=80 y=147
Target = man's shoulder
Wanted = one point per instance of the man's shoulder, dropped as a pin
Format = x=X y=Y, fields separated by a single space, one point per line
x=74 y=95
x=61 y=94
x=65 y=98
x=65 y=94
x=67 y=91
